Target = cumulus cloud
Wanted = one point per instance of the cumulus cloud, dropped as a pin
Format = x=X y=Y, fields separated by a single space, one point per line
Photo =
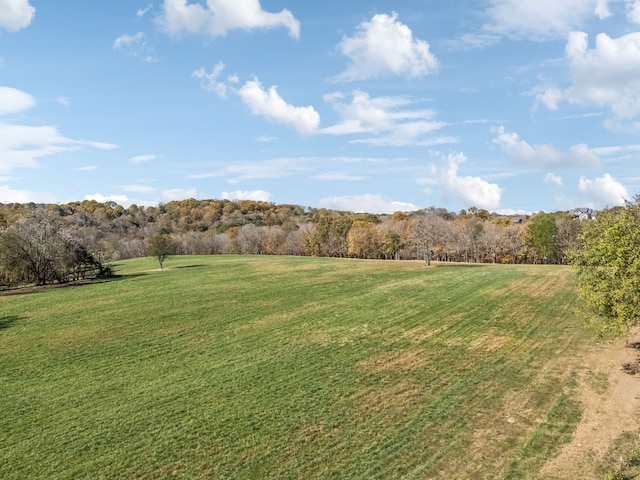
x=387 y=120
x=385 y=46
x=256 y=195
x=633 y=11
x=98 y=197
x=136 y=46
x=603 y=191
x=605 y=75
x=545 y=156
x=472 y=190
x=15 y=14
x=368 y=203
x=262 y=102
x=553 y=178
x=220 y=16
x=13 y=100
x=541 y=19
x=210 y=82
x=269 y=104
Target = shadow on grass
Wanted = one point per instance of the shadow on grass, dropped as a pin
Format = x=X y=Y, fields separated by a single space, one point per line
x=191 y=266
x=26 y=289
x=6 y=322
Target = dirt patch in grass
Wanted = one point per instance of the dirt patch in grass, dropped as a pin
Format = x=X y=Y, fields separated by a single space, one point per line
x=400 y=360
x=605 y=415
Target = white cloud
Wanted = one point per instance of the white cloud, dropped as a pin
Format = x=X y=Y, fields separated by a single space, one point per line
x=277 y=168
x=98 y=197
x=266 y=139
x=339 y=177
x=553 y=178
x=472 y=190
x=541 y=19
x=511 y=211
x=13 y=100
x=142 y=158
x=265 y=103
x=209 y=81
x=64 y=101
x=21 y=145
x=179 y=194
x=141 y=12
x=136 y=46
x=15 y=14
x=385 y=46
x=8 y=195
x=138 y=188
x=603 y=191
x=257 y=195
x=544 y=156
x=220 y=16
x=368 y=203
x=281 y=168
x=633 y=11
x=389 y=119
x=269 y=104
x=605 y=76
x=87 y=168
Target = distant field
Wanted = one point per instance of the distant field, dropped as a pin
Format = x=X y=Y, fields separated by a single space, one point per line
x=280 y=367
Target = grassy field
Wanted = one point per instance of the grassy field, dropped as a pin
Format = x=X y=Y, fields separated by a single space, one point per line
x=279 y=367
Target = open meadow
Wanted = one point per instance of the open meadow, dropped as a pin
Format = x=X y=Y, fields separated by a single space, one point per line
x=290 y=367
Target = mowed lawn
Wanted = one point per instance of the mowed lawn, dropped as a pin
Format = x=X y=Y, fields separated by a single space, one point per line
x=284 y=367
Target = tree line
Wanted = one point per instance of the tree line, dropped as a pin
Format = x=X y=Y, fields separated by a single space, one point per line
x=58 y=243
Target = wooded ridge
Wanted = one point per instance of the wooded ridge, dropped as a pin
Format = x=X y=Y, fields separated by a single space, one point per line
x=76 y=239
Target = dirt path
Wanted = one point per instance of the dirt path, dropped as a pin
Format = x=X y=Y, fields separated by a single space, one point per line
x=605 y=415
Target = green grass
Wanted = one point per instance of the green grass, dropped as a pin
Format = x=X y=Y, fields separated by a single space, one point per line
x=284 y=367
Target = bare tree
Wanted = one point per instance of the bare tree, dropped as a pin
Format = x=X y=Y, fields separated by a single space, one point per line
x=431 y=231
x=31 y=247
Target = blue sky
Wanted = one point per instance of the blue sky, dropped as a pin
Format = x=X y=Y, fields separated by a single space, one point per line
x=376 y=106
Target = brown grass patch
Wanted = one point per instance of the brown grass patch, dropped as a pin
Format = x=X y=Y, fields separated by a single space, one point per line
x=399 y=284
x=490 y=341
x=421 y=333
x=402 y=397
x=401 y=360
x=543 y=287
x=79 y=336
x=278 y=318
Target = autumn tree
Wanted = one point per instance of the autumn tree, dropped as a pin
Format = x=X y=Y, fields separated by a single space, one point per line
x=607 y=262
